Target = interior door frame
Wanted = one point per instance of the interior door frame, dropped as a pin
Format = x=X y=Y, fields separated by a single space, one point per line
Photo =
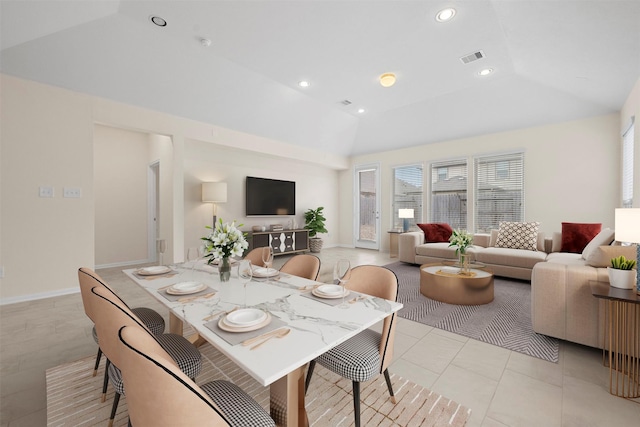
x=357 y=242
x=153 y=209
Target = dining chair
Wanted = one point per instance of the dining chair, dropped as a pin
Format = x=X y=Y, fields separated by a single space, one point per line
x=368 y=353
x=305 y=265
x=110 y=315
x=151 y=318
x=255 y=256
x=159 y=394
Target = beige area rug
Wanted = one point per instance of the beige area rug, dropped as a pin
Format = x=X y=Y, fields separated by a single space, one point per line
x=73 y=397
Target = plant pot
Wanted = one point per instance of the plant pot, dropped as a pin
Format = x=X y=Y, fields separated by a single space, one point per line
x=623 y=279
x=315 y=244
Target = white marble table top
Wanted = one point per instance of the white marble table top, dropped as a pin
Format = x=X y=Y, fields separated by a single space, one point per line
x=315 y=327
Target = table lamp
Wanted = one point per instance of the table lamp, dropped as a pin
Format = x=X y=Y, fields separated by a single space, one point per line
x=628 y=230
x=214 y=192
x=405 y=214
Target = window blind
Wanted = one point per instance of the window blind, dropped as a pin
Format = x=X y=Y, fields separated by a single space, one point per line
x=627 y=166
x=407 y=193
x=499 y=190
x=449 y=193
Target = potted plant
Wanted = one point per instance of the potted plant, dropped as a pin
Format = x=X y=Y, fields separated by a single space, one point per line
x=462 y=240
x=621 y=273
x=314 y=222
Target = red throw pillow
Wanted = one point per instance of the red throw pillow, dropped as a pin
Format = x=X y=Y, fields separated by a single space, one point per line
x=575 y=236
x=436 y=232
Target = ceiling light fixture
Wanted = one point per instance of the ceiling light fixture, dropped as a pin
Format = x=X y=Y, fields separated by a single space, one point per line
x=485 y=71
x=387 y=79
x=304 y=83
x=205 y=42
x=160 y=22
x=446 y=14
x=361 y=110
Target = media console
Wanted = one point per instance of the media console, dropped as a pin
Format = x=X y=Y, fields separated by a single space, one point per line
x=282 y=242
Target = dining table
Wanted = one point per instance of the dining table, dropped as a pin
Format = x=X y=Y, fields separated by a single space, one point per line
x=300 y=324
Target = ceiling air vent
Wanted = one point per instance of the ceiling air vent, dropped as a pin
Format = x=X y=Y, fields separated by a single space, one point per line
x=472 y=57
x=345 y=102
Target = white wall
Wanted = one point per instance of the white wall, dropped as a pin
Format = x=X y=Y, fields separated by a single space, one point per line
x=631 y=108
x=571 y=171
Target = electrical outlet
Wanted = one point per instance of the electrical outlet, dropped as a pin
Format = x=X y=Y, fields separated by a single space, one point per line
x=72 y=192
x=45 y=191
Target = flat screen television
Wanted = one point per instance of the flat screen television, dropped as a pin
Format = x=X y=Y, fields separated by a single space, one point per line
x=268 y=197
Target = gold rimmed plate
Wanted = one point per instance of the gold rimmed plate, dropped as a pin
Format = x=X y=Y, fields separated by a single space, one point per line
x=230 y=328
x=186 y=288
x=153 y=270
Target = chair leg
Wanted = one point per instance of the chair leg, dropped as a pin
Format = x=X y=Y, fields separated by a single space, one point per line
x=389 y=386
x=98 y=357
x=307 y=380
x=114 y=407
x=105 y=383
x=356 y=402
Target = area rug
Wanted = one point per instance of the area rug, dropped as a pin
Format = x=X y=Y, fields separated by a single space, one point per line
x=505 y=322
x=73 y=397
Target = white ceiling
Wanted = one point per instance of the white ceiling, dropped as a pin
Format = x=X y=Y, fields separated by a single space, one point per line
x=554 y=60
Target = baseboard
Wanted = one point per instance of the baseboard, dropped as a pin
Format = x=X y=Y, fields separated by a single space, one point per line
x=41 y=295
x=123 y=264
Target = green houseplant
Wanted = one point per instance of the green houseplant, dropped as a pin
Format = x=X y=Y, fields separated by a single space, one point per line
x=314 y=222
x=621 y=273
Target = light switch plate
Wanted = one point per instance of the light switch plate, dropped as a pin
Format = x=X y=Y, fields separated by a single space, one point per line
x=45 y=191
x=72 y=192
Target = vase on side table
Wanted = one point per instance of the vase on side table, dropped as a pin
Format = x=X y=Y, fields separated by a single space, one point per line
x=464 y=264
x=225 y=270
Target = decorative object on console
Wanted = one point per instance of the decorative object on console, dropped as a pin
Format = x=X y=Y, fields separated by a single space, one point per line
x=436 y=232
x=462 y=240
x=214 y=192
x=518 y=235
x=222 y=243
x=576 y=236
x=621 y=273
x=276 y=227
x=405 y=215
x=628 y=230
x=314 y=222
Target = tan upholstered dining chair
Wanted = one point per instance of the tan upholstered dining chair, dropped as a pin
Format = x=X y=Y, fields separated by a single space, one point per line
x=307 y=266
x=369 y=353
x=110 y=314
x=159 y=394
x=255 y=256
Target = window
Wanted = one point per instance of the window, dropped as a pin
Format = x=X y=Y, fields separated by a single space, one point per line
x=449 y=193
x=499 y=190
x=407 y=193
x=627 y=166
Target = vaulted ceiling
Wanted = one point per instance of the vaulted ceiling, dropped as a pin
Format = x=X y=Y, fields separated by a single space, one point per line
x=552 y=61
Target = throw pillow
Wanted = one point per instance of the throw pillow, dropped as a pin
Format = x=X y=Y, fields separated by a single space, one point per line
x=601 y=256
x=518 y=235
x=436 y=232
x=575 y=236
x=605 y=237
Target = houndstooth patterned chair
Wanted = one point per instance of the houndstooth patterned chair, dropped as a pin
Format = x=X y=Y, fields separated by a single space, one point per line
x=110 y=314
x=307 y=266
x=159 y=395
x=369 y=353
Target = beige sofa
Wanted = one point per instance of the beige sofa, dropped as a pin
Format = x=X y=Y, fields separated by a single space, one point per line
x=514 y=263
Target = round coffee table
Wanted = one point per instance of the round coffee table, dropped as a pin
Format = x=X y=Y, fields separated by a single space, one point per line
x=452 y=288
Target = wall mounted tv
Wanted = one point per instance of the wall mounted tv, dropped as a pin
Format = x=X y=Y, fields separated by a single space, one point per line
x=268 y=197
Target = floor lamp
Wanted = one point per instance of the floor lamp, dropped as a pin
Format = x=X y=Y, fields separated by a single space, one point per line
x=214 y=192
x=628 y=230
x=406 y=215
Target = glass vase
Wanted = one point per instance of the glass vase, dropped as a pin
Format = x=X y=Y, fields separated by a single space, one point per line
x=225 y=270
x=464 y=264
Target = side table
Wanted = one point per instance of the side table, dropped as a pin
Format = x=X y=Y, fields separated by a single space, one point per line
x=622 y=338
x=393 y=243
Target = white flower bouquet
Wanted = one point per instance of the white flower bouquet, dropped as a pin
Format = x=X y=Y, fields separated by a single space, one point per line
x=224 y=241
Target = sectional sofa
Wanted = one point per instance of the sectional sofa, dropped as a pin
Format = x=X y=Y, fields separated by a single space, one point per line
x=562 y=305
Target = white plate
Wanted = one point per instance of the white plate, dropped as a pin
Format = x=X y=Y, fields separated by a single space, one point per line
x=330 y=296
x=186 y=288
x=330 y=290
x=153 y=270
x=225 y=327
x=265 y=272
x=245 y=317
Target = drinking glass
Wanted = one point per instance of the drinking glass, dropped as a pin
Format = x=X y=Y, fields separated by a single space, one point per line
x=192 y=258
x=341 y=275
x=245 y=274
x=267 y=259
x=161 y=247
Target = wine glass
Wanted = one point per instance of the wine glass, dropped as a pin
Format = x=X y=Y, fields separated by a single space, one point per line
x=192 y=258
x=267 y=259
x=341 y=275
x=245 y=274
x=161 y=247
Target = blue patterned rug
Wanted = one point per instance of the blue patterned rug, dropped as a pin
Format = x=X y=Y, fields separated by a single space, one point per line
x=505 y=322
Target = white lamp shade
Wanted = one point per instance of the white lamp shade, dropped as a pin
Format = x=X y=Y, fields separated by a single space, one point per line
x=405 y=213
x=628 y=225
x=214 y=192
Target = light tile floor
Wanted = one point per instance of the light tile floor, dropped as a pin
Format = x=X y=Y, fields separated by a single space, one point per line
x=503 y=388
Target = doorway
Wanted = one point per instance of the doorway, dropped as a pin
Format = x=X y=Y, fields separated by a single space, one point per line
x=153 y=210
x=367 y=207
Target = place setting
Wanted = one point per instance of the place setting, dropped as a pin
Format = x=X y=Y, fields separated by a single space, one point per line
x=155 y=272
x=247 y=326
x=187 y=291
x=335 y=294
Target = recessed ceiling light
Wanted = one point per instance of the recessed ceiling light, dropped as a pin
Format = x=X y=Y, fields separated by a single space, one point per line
x=160 y=22
x=485 y=71
x=446 y=14
x=361 y=110
x=205 y=42
x=304 y=83
x=387 y=79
